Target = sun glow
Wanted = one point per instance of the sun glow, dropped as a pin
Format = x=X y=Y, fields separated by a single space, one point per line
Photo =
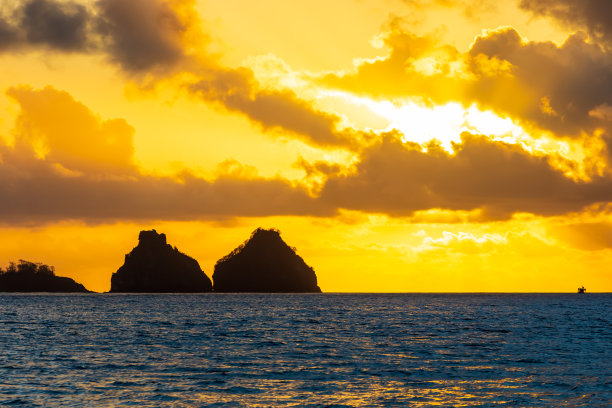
x=423 y=123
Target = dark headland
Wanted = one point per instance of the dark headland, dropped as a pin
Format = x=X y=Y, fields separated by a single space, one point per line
x=154 y=266
x=264 y=263
x=36 y=277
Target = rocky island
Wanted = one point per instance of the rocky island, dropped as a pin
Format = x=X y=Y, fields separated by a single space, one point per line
x=264 y=263
x=154 y=266
x=35 y=277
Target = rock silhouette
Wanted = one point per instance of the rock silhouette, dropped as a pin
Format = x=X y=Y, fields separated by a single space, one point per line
x=35 y=277
x=264 y=263
x=155 y=267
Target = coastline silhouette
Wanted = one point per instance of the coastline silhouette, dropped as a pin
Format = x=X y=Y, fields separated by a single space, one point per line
x=26 y=276
x=264 y=263
x=155 y=266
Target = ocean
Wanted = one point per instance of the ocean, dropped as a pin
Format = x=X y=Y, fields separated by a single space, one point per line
x=334 y=350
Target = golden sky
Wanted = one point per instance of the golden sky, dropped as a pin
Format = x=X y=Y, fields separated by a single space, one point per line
x=400 y=145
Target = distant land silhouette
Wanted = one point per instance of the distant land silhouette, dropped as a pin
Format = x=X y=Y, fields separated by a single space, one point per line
x=154 y=266
x=35 y=277
x=264 y=263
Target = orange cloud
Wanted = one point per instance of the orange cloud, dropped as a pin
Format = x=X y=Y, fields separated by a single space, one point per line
x=69 y=134
x=398 y=74
x=86 y=171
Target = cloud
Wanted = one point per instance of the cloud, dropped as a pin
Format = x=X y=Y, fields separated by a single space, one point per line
x=78 y=166
x=401 y=72
x=52 y=24
x=399 y=178
x=33 y=191
x=141 y=34
x=463 y=242
x=150 y=37
x=563 y=88
x=559 y=85
x=58 y=25
x=238 y=91
x=66 y=132
x=67 y=163
x=138 y=35
x=8 y=35
x=593 y=15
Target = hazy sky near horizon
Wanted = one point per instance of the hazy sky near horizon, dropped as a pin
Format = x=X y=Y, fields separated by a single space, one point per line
x=400 y=145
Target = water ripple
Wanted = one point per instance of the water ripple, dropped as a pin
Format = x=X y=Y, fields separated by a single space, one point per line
x=305 y=350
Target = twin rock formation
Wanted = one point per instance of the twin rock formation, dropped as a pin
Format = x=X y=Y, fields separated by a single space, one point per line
x=264 y=263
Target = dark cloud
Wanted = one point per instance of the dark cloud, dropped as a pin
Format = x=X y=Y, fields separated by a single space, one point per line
x=34 y=191
x=141 y=34
x=556 y=87
x=9 y=35
x=58 y=25
x=593 y=15
x=138 y=35
x=238 y=91
x=397 y=178
x=592 y=87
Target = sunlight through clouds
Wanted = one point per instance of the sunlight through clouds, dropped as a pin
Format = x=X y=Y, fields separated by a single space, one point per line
x=424 y=123
x=421 y=123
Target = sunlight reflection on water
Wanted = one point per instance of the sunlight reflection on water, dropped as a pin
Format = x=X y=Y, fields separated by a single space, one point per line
x=301 y=350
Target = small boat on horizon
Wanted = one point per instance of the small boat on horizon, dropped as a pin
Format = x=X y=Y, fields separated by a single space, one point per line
x=582 y=290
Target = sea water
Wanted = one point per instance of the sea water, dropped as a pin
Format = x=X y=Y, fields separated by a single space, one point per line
x=416 y=350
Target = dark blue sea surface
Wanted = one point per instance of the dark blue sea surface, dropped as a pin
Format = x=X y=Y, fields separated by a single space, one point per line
x=416 y=350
